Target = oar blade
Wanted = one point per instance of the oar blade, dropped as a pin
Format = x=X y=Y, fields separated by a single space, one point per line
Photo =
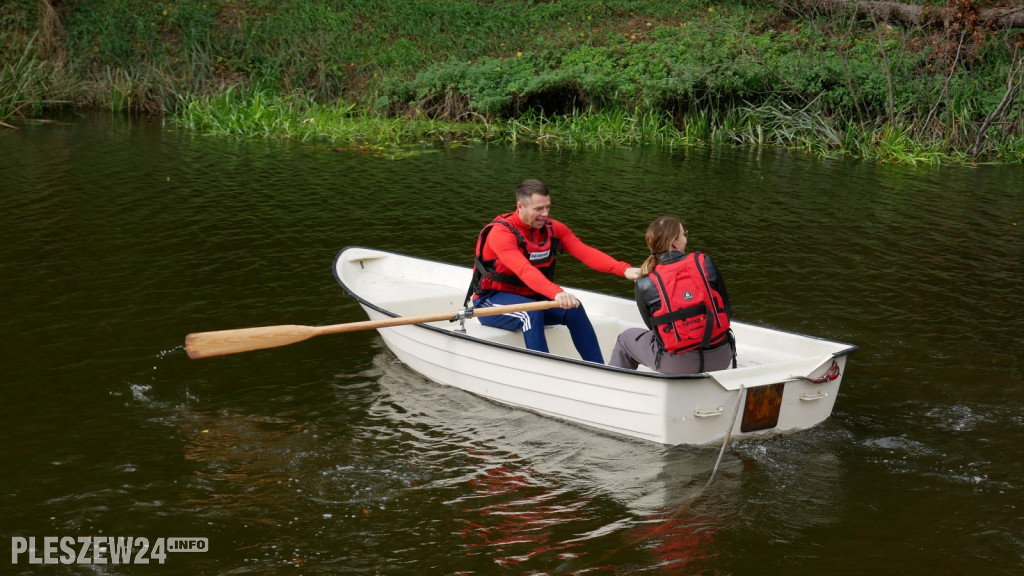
x=219 y=343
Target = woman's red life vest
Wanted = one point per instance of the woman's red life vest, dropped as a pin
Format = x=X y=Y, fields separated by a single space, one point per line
x=692 y=313
x=493 y=275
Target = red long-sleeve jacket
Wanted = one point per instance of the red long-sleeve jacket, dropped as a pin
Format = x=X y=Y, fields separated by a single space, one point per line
x=502 y=245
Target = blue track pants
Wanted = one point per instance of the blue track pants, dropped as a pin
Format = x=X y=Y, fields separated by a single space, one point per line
x=532 y=324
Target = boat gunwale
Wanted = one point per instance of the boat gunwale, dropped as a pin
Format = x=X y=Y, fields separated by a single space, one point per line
x=850 y=348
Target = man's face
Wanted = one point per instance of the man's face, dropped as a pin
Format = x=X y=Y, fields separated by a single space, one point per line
x=535 y=212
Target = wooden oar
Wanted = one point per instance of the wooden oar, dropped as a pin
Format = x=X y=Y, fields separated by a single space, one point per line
x=219 y=343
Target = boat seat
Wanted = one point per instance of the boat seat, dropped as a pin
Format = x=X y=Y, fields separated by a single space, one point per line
x=476 y=329
x=512 y=337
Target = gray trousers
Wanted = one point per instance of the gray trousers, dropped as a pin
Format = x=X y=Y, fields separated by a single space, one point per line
x=637 y=346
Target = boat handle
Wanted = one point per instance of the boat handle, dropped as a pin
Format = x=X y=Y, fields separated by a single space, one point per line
x=815 y=396
x=707 y=413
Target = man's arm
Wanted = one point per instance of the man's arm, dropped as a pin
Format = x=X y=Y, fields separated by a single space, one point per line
x=590 y=256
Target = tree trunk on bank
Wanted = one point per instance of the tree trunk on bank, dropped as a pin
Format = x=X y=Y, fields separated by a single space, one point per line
x=930 y=16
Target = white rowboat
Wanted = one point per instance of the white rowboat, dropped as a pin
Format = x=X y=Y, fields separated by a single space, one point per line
x=783 y=381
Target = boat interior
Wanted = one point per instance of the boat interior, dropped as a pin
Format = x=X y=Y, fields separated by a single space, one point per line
x=756 y=346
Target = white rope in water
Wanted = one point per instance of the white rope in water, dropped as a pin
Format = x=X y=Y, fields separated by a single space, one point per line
x=725 y=442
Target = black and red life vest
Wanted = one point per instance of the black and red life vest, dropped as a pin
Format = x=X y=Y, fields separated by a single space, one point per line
x=540 y=249
x=692 y=314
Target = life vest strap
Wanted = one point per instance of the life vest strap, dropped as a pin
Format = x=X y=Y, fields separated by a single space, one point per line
x=485 y=272
x=681 y=314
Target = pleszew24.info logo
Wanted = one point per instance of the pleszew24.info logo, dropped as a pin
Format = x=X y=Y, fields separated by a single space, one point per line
x=100 y=549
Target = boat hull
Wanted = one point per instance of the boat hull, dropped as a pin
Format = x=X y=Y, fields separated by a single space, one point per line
x=787 y=390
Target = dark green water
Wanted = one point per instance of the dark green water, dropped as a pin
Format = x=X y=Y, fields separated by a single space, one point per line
x=326 y=457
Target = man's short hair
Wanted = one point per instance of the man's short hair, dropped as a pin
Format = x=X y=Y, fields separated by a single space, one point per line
x=527 y=188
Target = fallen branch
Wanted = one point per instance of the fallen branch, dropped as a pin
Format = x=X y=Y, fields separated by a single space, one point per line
x=910 y=14
x=1014 y=81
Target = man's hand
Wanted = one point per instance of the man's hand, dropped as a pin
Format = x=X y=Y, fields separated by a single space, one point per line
x=632 y=273
x=566 y=300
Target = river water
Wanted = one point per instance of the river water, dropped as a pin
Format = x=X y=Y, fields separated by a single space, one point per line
x=119 y=237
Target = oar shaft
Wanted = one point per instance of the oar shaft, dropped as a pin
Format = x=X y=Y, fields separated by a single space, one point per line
x=219 y=343
x=425 y=318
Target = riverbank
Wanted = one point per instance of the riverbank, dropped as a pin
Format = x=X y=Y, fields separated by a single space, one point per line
x=365 y=73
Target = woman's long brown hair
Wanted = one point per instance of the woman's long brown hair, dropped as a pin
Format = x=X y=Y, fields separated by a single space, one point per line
x=659 y=237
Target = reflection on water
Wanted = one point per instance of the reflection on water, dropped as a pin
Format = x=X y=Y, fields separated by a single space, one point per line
x=640 y=475
x=119 y=237
x=505 y=487
x=533 y=481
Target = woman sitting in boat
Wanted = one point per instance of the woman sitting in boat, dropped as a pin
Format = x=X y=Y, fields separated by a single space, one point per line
x=683 y=302
x=515 y=263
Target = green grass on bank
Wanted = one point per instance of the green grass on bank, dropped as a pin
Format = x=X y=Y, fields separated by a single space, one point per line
x=571 y=73
x=258 y=114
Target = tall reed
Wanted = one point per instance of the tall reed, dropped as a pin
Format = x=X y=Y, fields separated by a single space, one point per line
x=26 y=84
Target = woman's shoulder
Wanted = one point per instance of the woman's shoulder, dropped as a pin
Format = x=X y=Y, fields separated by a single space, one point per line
x=706 y=258
x=644 y=282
